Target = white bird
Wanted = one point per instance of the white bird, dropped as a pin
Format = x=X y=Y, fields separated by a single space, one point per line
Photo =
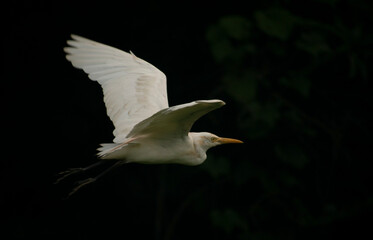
x=147 y=130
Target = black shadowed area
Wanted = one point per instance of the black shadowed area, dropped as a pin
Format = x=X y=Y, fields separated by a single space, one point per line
x=294 y=76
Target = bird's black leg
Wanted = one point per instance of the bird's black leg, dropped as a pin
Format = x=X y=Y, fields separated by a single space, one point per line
x=71 y=171
x=91 y=180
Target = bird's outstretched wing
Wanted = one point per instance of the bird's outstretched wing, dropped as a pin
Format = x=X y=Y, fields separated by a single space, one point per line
x=133 y=88
x=176 y=121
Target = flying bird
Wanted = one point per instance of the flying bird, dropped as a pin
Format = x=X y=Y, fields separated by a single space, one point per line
x=147 y=130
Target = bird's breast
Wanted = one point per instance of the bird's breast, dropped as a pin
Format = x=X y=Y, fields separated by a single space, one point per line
x=152 y=151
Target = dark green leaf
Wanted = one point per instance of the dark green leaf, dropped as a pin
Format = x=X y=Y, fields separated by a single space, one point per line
x=292 y=155
x=236 y=27
x=276 y=22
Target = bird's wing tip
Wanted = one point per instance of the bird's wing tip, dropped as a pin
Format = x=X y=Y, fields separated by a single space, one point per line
x=76 y=37
x=212 y=101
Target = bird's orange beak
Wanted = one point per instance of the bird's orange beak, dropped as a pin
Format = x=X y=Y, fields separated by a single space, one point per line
x=228 y=140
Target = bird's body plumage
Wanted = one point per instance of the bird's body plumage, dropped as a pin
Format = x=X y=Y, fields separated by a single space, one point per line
x=147 y=130
x=142 y=149
x=165 y=133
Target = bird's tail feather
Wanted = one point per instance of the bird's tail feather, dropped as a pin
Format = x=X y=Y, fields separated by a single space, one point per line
x=107 y=148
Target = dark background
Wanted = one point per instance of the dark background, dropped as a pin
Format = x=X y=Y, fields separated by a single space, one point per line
x=294 y=75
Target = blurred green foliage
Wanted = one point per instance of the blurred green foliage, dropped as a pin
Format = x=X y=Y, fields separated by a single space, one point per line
x=297 y=79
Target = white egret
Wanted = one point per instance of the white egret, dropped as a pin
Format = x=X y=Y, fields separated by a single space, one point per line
x=147 y=130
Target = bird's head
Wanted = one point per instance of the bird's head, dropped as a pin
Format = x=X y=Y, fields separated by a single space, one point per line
x=206 y=140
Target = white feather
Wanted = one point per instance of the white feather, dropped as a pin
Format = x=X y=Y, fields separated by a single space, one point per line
x=133 y=89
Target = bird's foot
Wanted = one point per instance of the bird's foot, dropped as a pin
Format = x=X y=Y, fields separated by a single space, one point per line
x=82 y=184
x=67 y=173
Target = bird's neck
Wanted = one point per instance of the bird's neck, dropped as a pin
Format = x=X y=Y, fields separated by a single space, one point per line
x=199 y=148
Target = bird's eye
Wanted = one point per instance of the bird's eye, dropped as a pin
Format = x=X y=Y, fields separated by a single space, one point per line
x=213 y=139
